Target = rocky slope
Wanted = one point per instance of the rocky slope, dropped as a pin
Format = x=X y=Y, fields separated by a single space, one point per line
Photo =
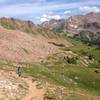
x=14 y=88
x=25 y=42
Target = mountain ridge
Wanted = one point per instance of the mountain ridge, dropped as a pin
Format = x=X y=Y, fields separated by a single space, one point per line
x=34 y=45
x=75 y=24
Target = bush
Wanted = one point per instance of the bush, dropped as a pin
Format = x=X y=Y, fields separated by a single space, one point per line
x=72 y=60
x=91 y=57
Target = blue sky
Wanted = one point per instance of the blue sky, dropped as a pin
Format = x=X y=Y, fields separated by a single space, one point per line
x=44 y=10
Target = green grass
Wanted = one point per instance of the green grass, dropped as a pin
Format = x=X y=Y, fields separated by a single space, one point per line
x=64 y=75
x=75 y=96
x=83 y=49
x=7 y=25
x=94 y=65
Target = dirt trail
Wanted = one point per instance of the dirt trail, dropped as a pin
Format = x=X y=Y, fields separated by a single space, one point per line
x=9 y=81
x=34 y=93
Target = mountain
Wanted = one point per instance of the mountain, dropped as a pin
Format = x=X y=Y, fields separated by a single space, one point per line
x=22 y=41
x=75 y=24
x=55 y=25
x=54 y=67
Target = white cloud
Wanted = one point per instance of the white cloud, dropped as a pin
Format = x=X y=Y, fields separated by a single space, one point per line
x=43 y=19
x=44 y=16
x=38 y=8
x=67 y=12
x=57 y=17
x=87 y=9
x=47 y=17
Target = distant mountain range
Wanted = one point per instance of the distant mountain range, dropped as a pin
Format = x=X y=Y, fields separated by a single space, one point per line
x=75 y=24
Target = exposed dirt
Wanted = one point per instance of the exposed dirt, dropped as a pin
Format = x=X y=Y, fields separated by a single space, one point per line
x=13 y=87
x=34 y=93
x=25 y=47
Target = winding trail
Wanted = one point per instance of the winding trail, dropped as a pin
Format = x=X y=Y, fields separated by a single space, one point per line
x=34 y=93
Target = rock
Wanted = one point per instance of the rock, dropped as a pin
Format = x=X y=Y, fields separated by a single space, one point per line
x=11 y=87
x=97 y=70
x=76 y=78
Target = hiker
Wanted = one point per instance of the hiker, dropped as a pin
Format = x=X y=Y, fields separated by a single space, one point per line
x=19 y=70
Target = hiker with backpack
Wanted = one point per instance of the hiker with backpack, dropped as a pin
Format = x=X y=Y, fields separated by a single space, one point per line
x=19 y=70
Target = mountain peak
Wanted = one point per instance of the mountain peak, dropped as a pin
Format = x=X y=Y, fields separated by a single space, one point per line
x=74 y=24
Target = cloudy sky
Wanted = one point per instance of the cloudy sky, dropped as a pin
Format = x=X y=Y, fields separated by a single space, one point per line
x=44 y=10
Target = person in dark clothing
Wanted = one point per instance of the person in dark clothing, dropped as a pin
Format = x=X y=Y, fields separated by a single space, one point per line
x=19 y=70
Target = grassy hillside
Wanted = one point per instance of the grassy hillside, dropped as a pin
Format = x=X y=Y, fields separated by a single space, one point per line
x=67 y=81
x=80 y=79
x=83 y=49
x=78 y=82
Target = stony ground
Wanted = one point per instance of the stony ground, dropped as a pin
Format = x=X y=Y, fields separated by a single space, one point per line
x=13 y=87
